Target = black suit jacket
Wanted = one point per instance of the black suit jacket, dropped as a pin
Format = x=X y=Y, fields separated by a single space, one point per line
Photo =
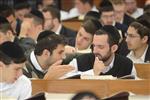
x=147 y=56
x=123 y=48
x=69 y=34
x=127 y=20
x=122 y=65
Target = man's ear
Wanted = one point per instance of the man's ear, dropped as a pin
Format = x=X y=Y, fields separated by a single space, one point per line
x=114 y=48
x=145 y=39
x=46 y=52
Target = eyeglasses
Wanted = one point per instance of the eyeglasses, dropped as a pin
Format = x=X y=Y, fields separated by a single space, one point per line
x=131 y=35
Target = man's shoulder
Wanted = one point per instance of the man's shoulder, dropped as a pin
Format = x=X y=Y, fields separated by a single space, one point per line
x=68 y=30
x=23 y=79
x=122 y=59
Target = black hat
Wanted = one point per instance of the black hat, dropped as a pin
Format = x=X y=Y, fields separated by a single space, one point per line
x=13 y=50
x=113 y=32
x=44 y=34
x=92 y=15
x=37 y=13
x=144 y=19
x=105 y=5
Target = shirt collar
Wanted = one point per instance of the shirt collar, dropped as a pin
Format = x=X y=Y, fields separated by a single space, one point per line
x=137 y=60
x=35 y=62
x=107 y=68
x=59 y=29
x=88 y=50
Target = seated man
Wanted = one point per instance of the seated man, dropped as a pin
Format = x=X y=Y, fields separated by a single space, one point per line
x=138 y=38
x=44 y=61
x=84 y=37
x=6 y=33
x=13 y=83
x=104 y=61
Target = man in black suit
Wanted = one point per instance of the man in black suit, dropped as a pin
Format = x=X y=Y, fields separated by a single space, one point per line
x=104 y=61
x=53 y=23
x=120 y=12
x=138 y=38
x=107 y=17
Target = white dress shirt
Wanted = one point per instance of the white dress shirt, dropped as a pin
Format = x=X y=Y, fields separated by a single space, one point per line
x=21 y=89
x=35 y=62
x=74 y=12
x=137 y=13
x=59 y=29
x=135 y=59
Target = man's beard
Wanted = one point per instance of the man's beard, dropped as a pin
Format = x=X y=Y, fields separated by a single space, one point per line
x=103 y=58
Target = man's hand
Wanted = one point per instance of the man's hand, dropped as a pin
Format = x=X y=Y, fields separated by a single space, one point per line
x=69 y=49
x=56 y=70
x=98 y=66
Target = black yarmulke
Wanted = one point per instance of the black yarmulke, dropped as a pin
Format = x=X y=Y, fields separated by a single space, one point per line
x=13 y=51
x=44 y=34
x=92 y=15
x=105 y=3
x=113 y=32
x=37 y=13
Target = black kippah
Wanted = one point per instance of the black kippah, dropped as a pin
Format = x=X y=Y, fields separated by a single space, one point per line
x=37 y=13
x=44 y=34
x=112 y=31
x=13 y=51
x=92 y=15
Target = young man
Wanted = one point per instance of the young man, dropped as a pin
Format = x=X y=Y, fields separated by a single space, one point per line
x=104 y=61
x=12 y=82
x=81 y=8
x=45 y=61
x=120 y=12
x=32 y=25
x=53 y=23
x=138 y=42
x=132 y=8
x=9 y=14
x=6 y=33
x=85 y=35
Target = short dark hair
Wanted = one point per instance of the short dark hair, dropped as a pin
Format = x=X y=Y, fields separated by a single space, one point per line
x=4 y=25
x=105 y=6
x=87 y=1
x=44 y=34
x=141 y=30
x=81 y=95
x=91 y=26
x=11 y=52
x=111 y=32
x=50 y=43
x=6 y=11
x=53 y=11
